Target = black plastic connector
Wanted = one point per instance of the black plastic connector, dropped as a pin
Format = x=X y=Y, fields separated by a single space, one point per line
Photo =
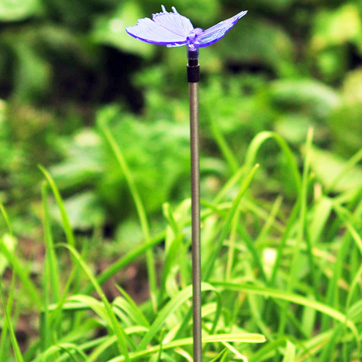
x=193 y=67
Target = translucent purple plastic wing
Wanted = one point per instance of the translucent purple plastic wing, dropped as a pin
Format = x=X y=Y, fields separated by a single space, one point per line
x=172 y=29
x=216 y=32
x=165 y=28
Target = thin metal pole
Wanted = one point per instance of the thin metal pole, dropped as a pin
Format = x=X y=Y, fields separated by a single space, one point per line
x=195 y=213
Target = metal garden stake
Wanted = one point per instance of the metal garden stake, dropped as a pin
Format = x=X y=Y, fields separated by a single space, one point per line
x=172 y=29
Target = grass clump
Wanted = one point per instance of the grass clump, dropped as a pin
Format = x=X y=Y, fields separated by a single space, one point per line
x=281 y=277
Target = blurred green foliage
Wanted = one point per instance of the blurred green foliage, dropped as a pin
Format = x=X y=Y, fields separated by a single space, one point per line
x=66 y=66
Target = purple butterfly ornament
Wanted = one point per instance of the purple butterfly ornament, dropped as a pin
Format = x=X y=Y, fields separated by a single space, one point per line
x=172 y=29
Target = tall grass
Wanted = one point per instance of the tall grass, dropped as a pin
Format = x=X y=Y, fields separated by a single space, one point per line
x=281 y=279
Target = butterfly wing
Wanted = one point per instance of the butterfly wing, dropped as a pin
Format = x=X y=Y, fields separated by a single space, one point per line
x=216 y=32
x=173 y=22
x=165 y=28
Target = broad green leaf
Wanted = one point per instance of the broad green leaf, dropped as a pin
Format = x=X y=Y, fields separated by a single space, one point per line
x=17 y=10
x=83 y=162
x=337 y=26
x=85 y=211
x=158 y=155
x=328 y=167
x=306 y=96
x=293 y=127
x=33 y=73
x=110 y=30
x=345 y=121
x=352 y=87
x=257 y=41
x=346 y=127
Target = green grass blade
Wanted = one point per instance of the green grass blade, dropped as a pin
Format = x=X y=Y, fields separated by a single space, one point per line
x=290 y=297
x=332 y=295
x=4 y=331
x=354 y=286
x=51 y=276
x=131 y=184
x=250 y=244
x=117 y=329
x=328 y=351
x=231 y=248
x=167 y=212
x=172 y=255
x=321 y=213
x=135 y=311
x=289 y=355
x=159 y=355
x=14 y=342
x=270 y=220
x=257 y=317
x=89 y=345
x=280 y=251
x=67 y=348
x=347 y=219
x=6 y=218
x=69 y=235
x=49 y=244
x=45 y=330
x=217 y=338
x=257 y=142
x=301 y=234
x=229 y=185
x=102 y=347
x=350 y=164
x=126 y=260
x=63 y=213
x=223 y=146
x=302 y=221
x=268 y=350
x=170 y=307
x=341 y=257
x=218 y=312
x=22 y=274
x=221 y=356
x=207 y=268
x=151 y=268
x=92 y=303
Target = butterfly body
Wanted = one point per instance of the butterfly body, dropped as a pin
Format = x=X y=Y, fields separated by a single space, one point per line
x=193 y=35
x=172 y=29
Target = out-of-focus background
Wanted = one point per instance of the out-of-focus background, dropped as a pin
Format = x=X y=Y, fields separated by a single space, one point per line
x=66 y=67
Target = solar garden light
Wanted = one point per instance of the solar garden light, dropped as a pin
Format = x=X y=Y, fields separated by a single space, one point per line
x=172 y=29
